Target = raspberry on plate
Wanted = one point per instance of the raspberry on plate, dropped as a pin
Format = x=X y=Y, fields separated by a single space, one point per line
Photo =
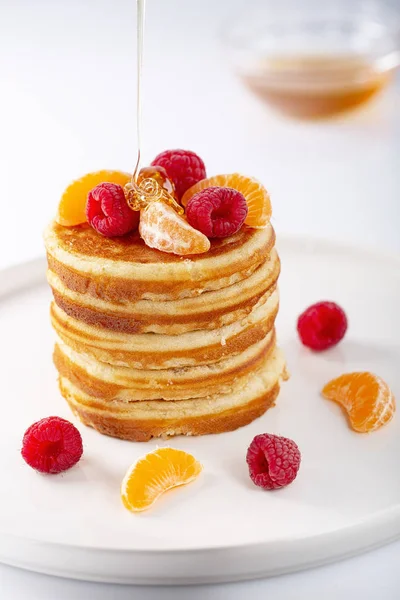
x=322 y=325
x=183 y=167
x=108 y=212
x=217 y=211
x=52 y=445
x=273 y=461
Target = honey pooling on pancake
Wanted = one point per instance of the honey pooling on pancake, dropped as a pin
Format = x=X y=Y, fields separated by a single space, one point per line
x=151 y=185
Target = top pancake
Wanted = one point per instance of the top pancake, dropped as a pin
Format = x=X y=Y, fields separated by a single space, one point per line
x=125 y=269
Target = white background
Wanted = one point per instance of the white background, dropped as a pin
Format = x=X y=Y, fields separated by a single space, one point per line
x=68 y=106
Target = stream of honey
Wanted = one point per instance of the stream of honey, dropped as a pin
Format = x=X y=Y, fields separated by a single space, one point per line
x=140 y=12
x=149 y=184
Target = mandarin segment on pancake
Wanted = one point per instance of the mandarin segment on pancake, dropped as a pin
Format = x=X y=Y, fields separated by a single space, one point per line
x=162 y=331
x=72 y=206
x=163 y=229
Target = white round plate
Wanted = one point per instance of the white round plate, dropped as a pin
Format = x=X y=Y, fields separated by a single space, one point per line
x=346 y=498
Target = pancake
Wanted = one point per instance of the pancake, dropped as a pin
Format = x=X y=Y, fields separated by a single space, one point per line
x=209 y=310
x=156 y=351
x=125 y=269
x=110 y=382
x=141 y=421
x=151 y=344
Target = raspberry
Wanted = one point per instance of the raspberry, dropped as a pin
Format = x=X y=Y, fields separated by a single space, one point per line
x=52 y=445
x=322 y=325
x=183 y=167
x=273 y=461
x=108 y=212
x=217 y=211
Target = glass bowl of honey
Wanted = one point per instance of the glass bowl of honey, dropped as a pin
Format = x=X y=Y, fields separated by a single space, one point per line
x=316 y=58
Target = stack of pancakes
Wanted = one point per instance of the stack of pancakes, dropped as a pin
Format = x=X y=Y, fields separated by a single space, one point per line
x=152 y=344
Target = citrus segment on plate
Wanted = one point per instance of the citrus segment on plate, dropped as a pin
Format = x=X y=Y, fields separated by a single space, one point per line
x=257 y=197
x=154 y=474
x=366 y=398
x=162 y=228
x=71 y=209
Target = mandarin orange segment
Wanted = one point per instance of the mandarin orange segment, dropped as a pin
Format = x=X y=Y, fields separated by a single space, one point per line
x=162 y=228
x=257 y=197
x=154 y=474
x=71 y=209
x=366 y=398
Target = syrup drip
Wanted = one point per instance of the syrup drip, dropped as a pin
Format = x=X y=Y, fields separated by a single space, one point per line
x=141 y=191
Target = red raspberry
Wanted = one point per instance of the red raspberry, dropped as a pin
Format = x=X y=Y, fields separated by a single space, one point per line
x=322 y=325
x=217 y=211
x=108 y=212
x=273 y=461
x=52 y=445
x=184 y=168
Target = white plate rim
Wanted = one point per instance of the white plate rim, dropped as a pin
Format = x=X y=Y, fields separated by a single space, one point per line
x=15 y=279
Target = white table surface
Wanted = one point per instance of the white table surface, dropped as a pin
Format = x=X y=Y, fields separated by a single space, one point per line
x=68 y=106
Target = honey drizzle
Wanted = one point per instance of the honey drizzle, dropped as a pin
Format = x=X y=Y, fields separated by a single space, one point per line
x=140 y=17
x=140 y=195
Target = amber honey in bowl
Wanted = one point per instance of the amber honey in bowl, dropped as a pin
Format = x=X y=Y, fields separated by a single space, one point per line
x=315 y=58
x=312 y=87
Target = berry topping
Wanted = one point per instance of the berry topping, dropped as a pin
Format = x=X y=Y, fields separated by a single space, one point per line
x=162 y=228
x=108 y=212
x=322 y=325
x=72 y=206
x=52 y=445
x=257 y=197
x=183 y=167
x=217 y=211
x=273 y=461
